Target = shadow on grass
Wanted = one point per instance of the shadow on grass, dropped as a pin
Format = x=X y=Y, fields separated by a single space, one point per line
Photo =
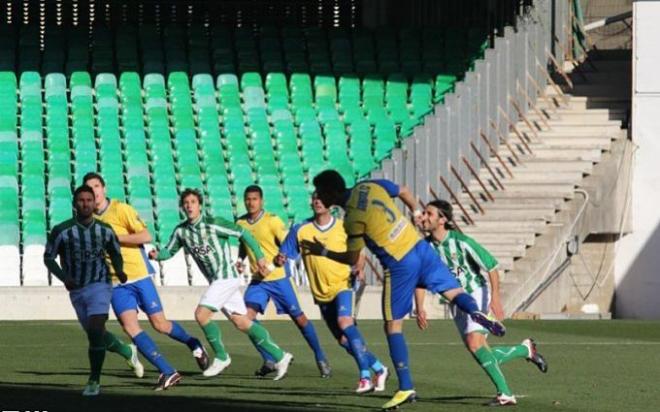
x=65 y=397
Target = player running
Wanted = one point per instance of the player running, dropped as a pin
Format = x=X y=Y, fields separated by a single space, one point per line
x=82 y=243
x=207 y=241
x=140 y=291
x=269 y=231
x=330 y=285
x=467 y=259
x=373 y=220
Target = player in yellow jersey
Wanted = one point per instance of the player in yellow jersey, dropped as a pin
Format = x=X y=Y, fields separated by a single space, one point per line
x=330 y=282
x=139 y=292
x=373 y=220
x=269 y=231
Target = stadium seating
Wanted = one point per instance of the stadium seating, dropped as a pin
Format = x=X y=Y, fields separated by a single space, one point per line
x=158 y=109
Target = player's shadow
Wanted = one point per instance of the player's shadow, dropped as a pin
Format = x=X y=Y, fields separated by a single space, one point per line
x=60 y=397
x=79 y=372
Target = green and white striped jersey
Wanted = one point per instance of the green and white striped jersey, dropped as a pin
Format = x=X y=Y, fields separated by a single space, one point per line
x=465 y=258
x=82 y=250
x=207 y=241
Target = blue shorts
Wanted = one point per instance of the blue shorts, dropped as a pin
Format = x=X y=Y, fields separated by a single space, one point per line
x=341 y=305
x=421 y=267
x=282 y=291
x=93 y=299
x=131 y=296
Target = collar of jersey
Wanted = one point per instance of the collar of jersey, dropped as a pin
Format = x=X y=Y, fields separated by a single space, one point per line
x=252 y=222
x=332 y=223
x=195 y=222
x=101 y=212
x=83 y=226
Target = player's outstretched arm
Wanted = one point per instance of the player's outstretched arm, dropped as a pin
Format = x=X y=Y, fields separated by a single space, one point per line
x=135 y=239
x=173 y=246
x=407 y=198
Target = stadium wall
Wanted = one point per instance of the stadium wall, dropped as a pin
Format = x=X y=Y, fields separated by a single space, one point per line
x=637 y=278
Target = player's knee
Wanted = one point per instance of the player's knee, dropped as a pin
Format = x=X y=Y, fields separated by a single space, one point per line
x=393 y=326
x=474 y=341
x=161 y=324
x=241 y=322
x=301 y=320
x=345 y=322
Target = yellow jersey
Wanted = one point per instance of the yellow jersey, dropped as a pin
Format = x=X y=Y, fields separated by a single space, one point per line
x=269 y=231
x=373 y=220
x=124 y=220
x=326 y=277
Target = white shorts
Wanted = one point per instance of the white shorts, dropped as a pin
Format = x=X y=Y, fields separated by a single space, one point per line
x=463 y=321
x=224 y=295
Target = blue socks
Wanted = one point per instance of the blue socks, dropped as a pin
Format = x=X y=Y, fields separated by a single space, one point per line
x=359 y=349
x=179 y=333
x=264 y=355
x=149 y=350
x=466 y=303
x=399 y=355
x=309 y=333
x=372 y=360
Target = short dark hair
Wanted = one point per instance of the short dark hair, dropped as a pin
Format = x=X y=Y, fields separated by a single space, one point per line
x=253 y=189
x=330 y=187
x=445 y=208
x=93 y=175
x=191 y=192
x=82 y=189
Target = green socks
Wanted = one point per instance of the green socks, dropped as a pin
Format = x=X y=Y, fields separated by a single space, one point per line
x=96 y=353
x=490 y=364
x=504 y=354
x=261 y=338
x=214 y=337
x=114 y=344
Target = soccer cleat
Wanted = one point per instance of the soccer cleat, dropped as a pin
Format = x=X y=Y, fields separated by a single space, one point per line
x=503 y=400
x=494 y=326
x=134 y=362
x=217 y=367
x=535 y=357
x=282 y=366
x=364 y=386
x=324 y=368
x=92 y=388
x=167 y=381
x=202 y=357
x=266 y=369
x=380 y=378
x=399 y=398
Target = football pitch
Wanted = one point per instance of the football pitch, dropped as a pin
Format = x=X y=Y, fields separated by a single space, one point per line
x=593 y=366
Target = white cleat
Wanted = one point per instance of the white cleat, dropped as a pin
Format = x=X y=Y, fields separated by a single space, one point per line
x=504 y=400
x=92 y=389
x=134 y=362
x=217 y=367
x=380 y=379
x=364 y=386
x=282 y=366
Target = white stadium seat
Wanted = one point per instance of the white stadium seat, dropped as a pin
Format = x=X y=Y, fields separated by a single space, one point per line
x=175 y=271
x=34 y=270
x=11 y=266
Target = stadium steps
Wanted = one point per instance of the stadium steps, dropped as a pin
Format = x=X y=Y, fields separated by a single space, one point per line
x=544 y=181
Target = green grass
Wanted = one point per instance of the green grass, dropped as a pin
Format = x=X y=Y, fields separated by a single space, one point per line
x=593 y=365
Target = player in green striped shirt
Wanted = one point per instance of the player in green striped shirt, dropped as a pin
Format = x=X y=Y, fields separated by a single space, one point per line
x=81 y=244
x=468 y=260
x=207 y=241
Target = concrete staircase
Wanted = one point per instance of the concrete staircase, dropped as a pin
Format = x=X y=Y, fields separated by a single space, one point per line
x=545 y=167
